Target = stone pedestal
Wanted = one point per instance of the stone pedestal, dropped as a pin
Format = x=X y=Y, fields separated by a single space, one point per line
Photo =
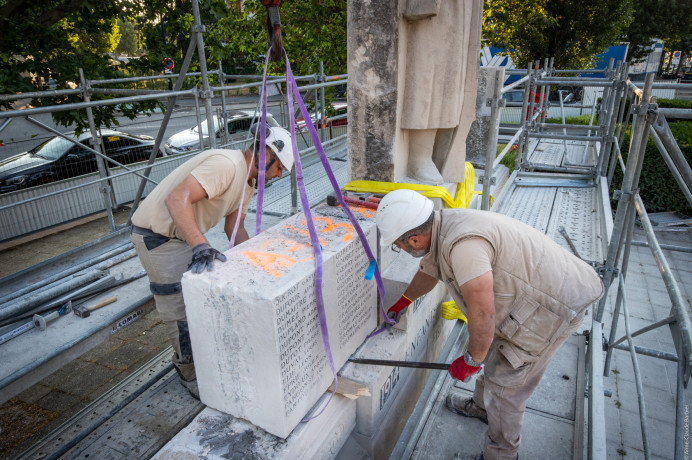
x=214 y=435
x=393 y=391
x=253 y=321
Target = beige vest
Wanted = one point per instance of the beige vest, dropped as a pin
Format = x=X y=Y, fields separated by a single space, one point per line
x=539 y=287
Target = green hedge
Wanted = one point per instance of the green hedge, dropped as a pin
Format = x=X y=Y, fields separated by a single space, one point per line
x=674 y=103
x=658 y=188
x=580 y=120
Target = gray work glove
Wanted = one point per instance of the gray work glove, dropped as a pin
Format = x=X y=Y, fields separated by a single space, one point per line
x=203 y=257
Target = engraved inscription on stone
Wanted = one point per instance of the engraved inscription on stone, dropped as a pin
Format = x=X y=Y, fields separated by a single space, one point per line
x=300 y=346
x=350 y=268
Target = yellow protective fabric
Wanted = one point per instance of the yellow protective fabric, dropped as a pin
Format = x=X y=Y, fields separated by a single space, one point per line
x=450 y=310
x=462 y=198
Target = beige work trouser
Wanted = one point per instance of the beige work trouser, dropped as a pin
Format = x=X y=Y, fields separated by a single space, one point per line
x=165 y=263
x=503 y=391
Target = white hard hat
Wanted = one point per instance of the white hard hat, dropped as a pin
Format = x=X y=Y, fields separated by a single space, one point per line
x=279 y=140
x=400 y=211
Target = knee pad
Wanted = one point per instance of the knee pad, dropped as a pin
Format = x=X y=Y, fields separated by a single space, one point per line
x=166 y=289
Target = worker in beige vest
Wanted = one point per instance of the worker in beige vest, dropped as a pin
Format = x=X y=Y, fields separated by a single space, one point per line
x=441 y=42
x=522 y=293
x=168 y=227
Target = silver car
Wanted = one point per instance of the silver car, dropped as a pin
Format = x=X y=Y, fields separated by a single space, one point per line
x=239 y=122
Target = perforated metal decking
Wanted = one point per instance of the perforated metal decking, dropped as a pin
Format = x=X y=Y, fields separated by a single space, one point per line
x=556 y=153
x=549 y=207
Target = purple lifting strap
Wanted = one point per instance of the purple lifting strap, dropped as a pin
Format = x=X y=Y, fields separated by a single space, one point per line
x=260 y=186
x=292 y=88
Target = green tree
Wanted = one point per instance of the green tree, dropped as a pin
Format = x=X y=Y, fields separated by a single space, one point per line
x=129 y=40
x=574 y=32
x=52 y=39
x=667 y=20
x=70 y=34
x=311 y=31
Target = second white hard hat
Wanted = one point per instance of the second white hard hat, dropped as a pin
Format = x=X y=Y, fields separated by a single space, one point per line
x=279 y=140
x=400 y=211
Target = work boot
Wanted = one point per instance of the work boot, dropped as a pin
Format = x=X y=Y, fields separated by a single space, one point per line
x=465 y=407
x=186 y=372
x=191 y=386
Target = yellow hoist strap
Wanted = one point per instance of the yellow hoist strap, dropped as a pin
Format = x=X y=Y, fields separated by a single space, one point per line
x=462 y=198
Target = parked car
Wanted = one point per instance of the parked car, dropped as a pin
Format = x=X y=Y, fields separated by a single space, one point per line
x=515 y=96
x=339 y=117
x=58 y=158
x=239 y=122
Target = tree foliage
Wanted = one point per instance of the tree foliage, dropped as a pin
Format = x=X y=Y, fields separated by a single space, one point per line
x=129 y=38
x=52 y=39
x=311 y=30
x=667 y=20
x=574 y=32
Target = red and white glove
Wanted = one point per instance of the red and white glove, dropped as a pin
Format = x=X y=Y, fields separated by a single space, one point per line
x=461 y=371
x=398 y=309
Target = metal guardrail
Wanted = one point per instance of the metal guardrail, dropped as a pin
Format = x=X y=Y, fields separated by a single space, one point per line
x=32 y=209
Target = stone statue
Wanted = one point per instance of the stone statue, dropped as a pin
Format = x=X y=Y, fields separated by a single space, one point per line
x=439 y=89
x=413 y=67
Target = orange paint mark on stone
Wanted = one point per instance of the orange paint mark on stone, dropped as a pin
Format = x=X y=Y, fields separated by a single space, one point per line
x=304 y=232
x=270 y=262
x=363 y=211
x=330 y=226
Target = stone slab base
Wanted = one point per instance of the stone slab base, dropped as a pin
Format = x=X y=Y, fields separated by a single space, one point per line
x=213 y=435
x=423 y=342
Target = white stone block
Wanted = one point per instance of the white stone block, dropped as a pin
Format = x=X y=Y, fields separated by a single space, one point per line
x=253 y=321
x=214 y=435
x=384 y=383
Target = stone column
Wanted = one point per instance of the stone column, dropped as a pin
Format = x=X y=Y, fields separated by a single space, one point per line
x=479 y=134
x=373 y=35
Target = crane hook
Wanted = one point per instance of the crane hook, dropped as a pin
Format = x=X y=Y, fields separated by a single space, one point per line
x=274 y=27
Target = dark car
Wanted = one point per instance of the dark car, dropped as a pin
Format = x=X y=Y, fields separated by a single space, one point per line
x=58 y=158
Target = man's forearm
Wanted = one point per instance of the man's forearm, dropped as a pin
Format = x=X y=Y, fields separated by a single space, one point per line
x=481 y=335
x=184 y=218
x=420 y=285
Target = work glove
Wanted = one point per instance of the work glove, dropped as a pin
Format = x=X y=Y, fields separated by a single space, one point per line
x=203 y=257
x=398 y=309
x=460 y=370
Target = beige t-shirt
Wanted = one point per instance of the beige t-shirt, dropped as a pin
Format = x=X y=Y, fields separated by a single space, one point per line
x=471 y=258
x=222 y=175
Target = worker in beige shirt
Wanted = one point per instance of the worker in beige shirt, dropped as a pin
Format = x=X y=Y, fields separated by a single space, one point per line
x=168 y=227
x=522 y=293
